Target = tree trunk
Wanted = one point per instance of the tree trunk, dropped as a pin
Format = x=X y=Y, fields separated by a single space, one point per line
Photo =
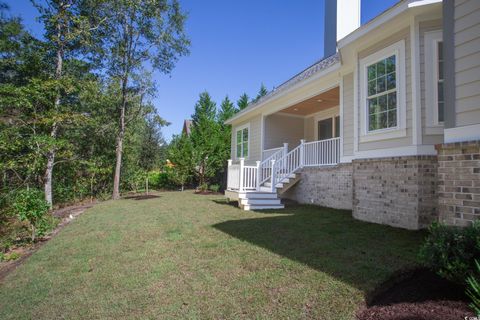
x=120 y=136
x=53 y=134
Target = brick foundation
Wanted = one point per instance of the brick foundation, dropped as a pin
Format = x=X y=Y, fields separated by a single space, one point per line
x=459 y=182
x=399 y=191
x=324 y=186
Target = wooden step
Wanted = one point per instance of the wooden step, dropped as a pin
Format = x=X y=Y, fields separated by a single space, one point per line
x=262 y=207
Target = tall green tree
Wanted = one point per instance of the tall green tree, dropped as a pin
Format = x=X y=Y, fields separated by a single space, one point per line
x=137 y=34
x=243 y=102
x=181 y=154
x=227 y=110
x=206 y=139
x=65 y=27
x=261 y=93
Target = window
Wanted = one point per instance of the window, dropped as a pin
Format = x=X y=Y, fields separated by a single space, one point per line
x=439 y=75
x=434 y=78
x=329 y=128
x=242 y=142
x=382 y=94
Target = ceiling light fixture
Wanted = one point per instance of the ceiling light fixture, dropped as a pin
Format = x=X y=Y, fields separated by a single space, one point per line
x=320 y=100
x=295 y=109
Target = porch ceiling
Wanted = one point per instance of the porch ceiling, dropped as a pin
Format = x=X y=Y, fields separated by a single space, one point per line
x=315 y=104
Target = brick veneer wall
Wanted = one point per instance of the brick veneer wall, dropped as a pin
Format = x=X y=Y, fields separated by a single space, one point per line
x=399 y=191
x=459 y=182
x=324 y=186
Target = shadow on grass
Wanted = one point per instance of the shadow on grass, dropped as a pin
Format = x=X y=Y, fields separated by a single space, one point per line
x=225 y=202
x=331 y=241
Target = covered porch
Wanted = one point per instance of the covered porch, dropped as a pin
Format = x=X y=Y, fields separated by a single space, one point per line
x=305 y=134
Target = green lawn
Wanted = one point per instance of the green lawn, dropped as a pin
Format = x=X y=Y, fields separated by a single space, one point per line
x=190 y=256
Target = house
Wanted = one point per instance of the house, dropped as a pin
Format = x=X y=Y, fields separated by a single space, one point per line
x=386 y=125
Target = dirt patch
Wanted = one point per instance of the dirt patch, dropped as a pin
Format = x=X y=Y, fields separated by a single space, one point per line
x=142 y=197
x=417 y=294
x=66 y=214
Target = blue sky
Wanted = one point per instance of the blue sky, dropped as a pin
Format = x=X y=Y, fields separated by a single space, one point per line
x=236 y=46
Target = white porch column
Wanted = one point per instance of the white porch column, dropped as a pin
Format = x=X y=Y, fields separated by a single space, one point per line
x=228 y=173
x=242 y=164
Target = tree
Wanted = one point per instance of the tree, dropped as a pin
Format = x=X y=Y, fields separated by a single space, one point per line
x=180 y=153
x=243 y=102
x=65 y=27
x=137 y=33
x=261 y=93
x=227 y=110
x=206 y=139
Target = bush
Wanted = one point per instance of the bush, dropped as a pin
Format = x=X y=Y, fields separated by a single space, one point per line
x=30 y=206
x=161 y=180
x=473 y=291
x=214 y=187
x=203 y=187
x=451 y=251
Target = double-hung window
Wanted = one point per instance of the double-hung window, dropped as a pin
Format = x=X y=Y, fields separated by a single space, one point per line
x=439 y=78
x=242 y=141
x=382 y=94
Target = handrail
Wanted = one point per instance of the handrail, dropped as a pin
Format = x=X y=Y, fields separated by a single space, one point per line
x=266 y=165
x=288 y=164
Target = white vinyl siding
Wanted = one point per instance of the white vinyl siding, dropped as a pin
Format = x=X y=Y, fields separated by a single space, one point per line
x=254 y=136
x=348 y=114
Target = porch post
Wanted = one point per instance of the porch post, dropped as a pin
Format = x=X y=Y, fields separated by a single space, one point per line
x=242 y=164
x=302 y=152
x=273 y=175
x=228 y=173
x=285 y=152
x=259 y=175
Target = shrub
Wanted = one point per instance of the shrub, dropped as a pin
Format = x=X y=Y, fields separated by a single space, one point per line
x=11 y=256
x=451 y=251
x=30 y=206
x=161 y=180
x=473 y=291
x=203 y=187
x=214 y=187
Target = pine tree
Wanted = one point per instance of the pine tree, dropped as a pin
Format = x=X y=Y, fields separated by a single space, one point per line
x=227 y=110
x=243 y=101
x=261 y=93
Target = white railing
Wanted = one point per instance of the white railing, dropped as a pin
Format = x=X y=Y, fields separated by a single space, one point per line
x=268 y=153
x=324 y=152
x=266 y=164
x=288 y=164
x=281 y=164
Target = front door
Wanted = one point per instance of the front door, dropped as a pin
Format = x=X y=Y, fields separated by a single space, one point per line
x=329 y=128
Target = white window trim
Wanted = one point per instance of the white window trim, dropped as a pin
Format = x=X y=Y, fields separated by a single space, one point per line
x=245 y=126
x=431 y=40
x=397 y=49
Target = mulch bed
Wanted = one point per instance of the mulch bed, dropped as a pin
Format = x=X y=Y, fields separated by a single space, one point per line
x=417 y=295
x=66 y=214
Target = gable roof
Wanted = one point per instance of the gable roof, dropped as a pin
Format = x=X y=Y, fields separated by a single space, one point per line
x=299 y=77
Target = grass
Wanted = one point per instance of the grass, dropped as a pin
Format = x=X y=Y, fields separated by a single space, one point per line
x=190 y=256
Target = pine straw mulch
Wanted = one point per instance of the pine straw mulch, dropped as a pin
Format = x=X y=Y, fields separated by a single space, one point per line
x=416 y=295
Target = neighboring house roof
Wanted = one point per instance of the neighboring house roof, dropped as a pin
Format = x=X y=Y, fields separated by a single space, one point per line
x=187 y=127
x=303 y=75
